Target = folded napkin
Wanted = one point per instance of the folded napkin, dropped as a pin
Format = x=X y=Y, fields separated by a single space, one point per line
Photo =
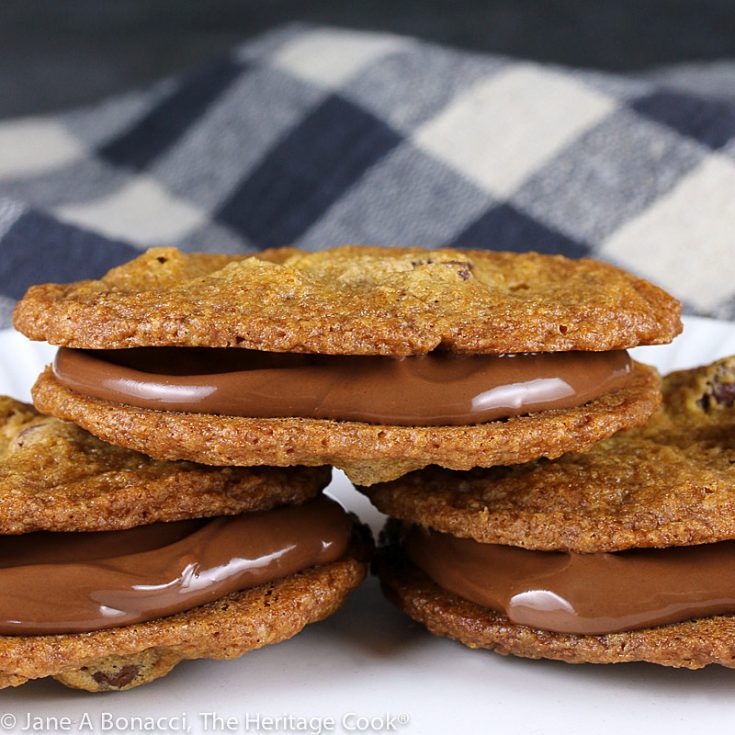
x=318 y=137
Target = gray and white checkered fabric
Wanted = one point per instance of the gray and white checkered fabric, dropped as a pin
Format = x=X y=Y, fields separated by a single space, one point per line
x=318 y=137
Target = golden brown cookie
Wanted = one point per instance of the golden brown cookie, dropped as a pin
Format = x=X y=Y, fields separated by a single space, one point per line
x=55 y=476
x=368 y=453
x=126 y=657
x=668 y=483
x=691 y=644
x=355 y=300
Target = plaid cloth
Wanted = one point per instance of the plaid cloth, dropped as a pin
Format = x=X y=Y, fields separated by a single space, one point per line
x=318 y=137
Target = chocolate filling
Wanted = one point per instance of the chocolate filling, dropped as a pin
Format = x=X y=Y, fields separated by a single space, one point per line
x=430 y=390
x=79 y=582
x=581 y=593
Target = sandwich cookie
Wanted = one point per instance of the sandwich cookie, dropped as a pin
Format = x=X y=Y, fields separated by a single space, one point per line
x=377 y=360
x=624 y=553
x=115 y=567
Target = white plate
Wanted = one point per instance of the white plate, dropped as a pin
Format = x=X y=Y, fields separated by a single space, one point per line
x=370 y=661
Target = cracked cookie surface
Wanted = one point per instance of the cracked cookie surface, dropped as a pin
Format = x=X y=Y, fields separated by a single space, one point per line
x=122 y=658
x=55 y=476
x=355 y=300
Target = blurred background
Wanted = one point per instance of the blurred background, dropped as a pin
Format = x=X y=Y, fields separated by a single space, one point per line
x=60 y=54
x=618 y=143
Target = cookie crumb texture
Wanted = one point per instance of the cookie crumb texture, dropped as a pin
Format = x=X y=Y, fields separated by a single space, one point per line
x=669 y=483
x=689 y=645
x=368 y=453
x=55 y=476
x=355 y=300
x=126 y=657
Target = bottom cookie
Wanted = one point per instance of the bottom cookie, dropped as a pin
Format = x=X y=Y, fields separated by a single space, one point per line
x=367 y=452
x=692 y=644
x=122 y=658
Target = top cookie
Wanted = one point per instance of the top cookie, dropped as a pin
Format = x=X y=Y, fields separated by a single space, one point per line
x=669 y=483
x=355 y=300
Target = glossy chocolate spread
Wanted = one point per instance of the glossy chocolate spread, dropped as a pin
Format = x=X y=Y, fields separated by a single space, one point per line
x=430 y=390
x=77 y=582
x=581 y=593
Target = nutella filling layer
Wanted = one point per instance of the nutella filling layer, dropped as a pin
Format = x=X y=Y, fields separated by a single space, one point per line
x=431 y=390
x=79 y=582
x=581 y=593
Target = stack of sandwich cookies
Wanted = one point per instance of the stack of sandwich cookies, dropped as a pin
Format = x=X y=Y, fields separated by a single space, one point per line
x=380 y=361
x=624 y=553
x=115 y=567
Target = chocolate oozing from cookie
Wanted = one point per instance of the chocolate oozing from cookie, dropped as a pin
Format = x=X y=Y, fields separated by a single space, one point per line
x=224 y=629
x=431 y=390
x=692 y=644
x=621 y=553
x=584 y=594
x=53 y=583
x=668 y=483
